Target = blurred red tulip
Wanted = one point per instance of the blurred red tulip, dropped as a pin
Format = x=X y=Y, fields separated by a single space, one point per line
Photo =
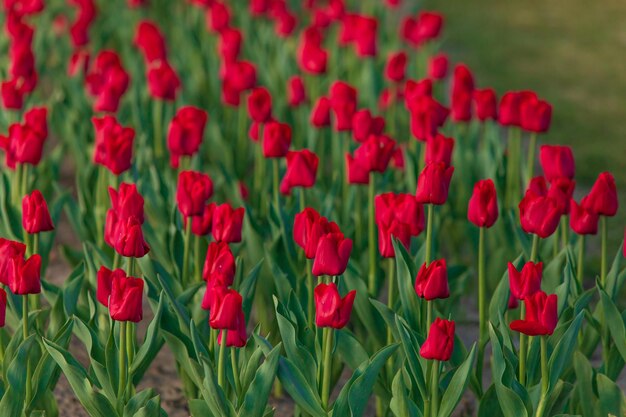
x=276 y=139
x=483 y=205
x=301 y=170
x=557 y=162
x=432 y=280
x=193 y=191
x=330 y=309
x=602 y=199
x=227 y=223
x=113 y=145
x=583 y=221
x=332 y=255
x=433 y=183
x=35 y=214
x=185 y=133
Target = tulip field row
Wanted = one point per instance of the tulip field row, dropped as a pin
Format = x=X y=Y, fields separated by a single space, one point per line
x=297 y=200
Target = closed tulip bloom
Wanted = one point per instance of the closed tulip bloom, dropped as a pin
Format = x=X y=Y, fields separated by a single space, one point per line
x=343 y=101
x=427 y=116
x=414 y=90
x=483 y=205
x=193 y=191
x=541 y=315
x=125 y=303
x=105 y=279
x=9 y=250
x=225 y=311
x=218 y=16
x=12 y=95
x=526 y=282
x=215 y=287
x=561 y=191
x=163 y=82
x=236 y=338
x=438 y=67
x=461 y=107
x=365 y=40
x=312 y=59
x=538 y=186
x=433 y=183
x=185 y=134
x=201 y=225
x=397 y=160
x=332 y=255
x=301 y=170
x=296 y=93
x=358 y=173
x=3 y=306
x=602 y=199
x=127 y=202
x=330 y=309
x=24 y=276
x=130 y=242
x=439 y=343
x=150 y=41
x=260 y=105
x=510 y=107
x=219 y=261
x=386 y=233
x=320 y=114
x=486 y=104
x=308 y=228
x=581 y=220
x=276 y=139
x=432 y=280
x=284 y=22
x=37 y=120
x=229 y=44
x=35 y=214
x=462 y=80
x=557 y=161
x=417 y=31
x=113 y=145
x=363 y=125
x=240 y=76
x=439 y=149
x=23 y=145
x=395 y=70
x=227 y=223
x=535 y=115
x=375 y=153
x=402 y=207
x=539 y=215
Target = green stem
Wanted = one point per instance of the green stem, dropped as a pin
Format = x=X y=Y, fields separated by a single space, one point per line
x=545 y=377
x=186 y=244
x=157 y=120
x=535 y=249
x=25 y=335
x=371 y=236
x=564 y=229
x=235 y=366
x=429 y=234
x=221 y=360
x=197 y=267
x=311 y=289
x=429 y=314
x=482 y=305
x=122 y=363
x=391 y=293
x=130 y=347
x=25 y=177
x=276 y=169
x=326 y=372
x=523 y=339
x=604 y=234
x=434 y=406
x=531 y=157
x=580 y=271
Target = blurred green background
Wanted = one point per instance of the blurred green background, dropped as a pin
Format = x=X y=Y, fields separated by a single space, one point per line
x=571 y=52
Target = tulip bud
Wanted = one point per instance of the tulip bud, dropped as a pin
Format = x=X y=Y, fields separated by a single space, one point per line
x=483 y=205
x=125 y=302
x=185 y=133
x=12 y=95
x=583 y=221
x=602 y=199
x=332 y=255
x=330 y=309
x=193 y=191
x=260 y=105
x=150 y=41
x=343 y=100
x=358 y=173
x=439 y=149
x=236 y=338
x=218 y=17
x=219 y=261
x=226 y=310
x=130 y=242
x=114 y=144
x=541 y=315
x=276 y=139
x=308 y=228
x=163 y=82
x=438 y=67
x=556 y=161
x=9 y=250
x=440 y=341
x=127 y=202
x=397 y=215
x=320 y=114
x=526 y=282
x=227 y=223
x=35 y=215
x=433 y=183
x=510 y=105
x=414 y=90
x=301 y=170
x=229 y=44
x=427 y=116
x=535 y=115
x=539 y=214
x=375 y=153
x=201 y=225
x=296 y=93
x=486 y=104
x=104 y=286
x=432 y=280
x=24 y=276
x=395 y=70
x=462 y=107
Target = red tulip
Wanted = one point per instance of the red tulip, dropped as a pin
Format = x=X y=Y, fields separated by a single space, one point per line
x=107 y=80
x=284 y=23
x=541 y=315
x=427 y=116
x=218 y=16
x=462 y=107
x=561 y=191
x=320 y=114
x=309 y=227
x=330 y=309
x=433 y=183
x=219 y=261
x=432 y=280
x=414 y=91
x=539 y=214
x=301 y=170
x=127 y=202
x=602 y=199
x=557 y=162
x=185 y=133
x=163 y=82
x=365 y=40
x=332 y=255
x=375 y=153
x=23 y=145
x=510 y=107
x=527 y=282
x=227 y=223
x=583 y=221
x=358 y=173
x=24 y=276
x=486 y=104
x=105 y=279
x=535 y=115
x=113 y=145
x=439 y=149
x=483 y=205
x=395 y=70
x=229 y=44
x=12 y=95
x=226 y=310
x=35 y=214
x=296 y=93
x=422 y=29
x=260 y=105
x=193 y=191
x=201 y=225
x=397 y=215
x=343 y=101
x=150 y=41
x=364 y=125
x=312 y=58
x=438 y=67
x=440 y=341
x=130 y=242
x=9 y=250
x=215 y=287
x=239 y=76
x=238 y=337
x=125 y=303
x=78 y=63
x=276 y=139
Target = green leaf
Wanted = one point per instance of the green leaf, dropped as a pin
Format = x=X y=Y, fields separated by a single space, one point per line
x=247 y=288
x=411 y=350
x=614 y=322
x=562 y=355
x=13 y=399
x=454 y=392
x=198 y=408
x=406 y=272
x=258 y=393
x=401 y=405
x=611 y=398
x=150 y=347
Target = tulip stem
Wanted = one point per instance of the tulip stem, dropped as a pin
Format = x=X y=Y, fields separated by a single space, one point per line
x=221 y=360
x=185 y=270
x=580 y=271
x=122 y=364
x=522 y=349
x=371 y=236
x=157 y=116
x=276 y=168
x=429 y=235
x=545 y=377
x=311 y=288
x=235 y=366
x=531 y=157
x=603 y=231
x=434 y=390
x=197 y=259
x=327 y=337
x=429 y=314
x=25 y=335
x=535 y=249
x=564 y=227
x=482 y=306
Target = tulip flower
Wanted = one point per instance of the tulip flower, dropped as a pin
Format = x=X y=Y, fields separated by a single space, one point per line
x=332 y=255
x=163 y=82
x=439 y=149
x=439 y=343
x=185 y=133
x=395 y=70
x=438 y=67
x=193 y=191
x=225 y=311
x=215 y=287
x=397 y=215
x=364 y=125
x=556 y=162
x=426 y=27
x=427 y=116
x=35 y=214
x=276 y=139
x=541 y=315
x=107 y=81
x=343 y=101
x=486 y=104
x=239 y=76
x=583 y=221
x=150 y=41
x=308 y=228
x=330 y=309
x=229 y=44
x=433 y=183
x=9 y=250
x=113 y=145
x=602 y=199
x=320 y=114
x=375 y=153
x=12 y=95
x=218 y=16
x=24 y=144
x=414 y=90
x=238 y=337
x=461 y=110
x=462 y=80
x=125 y=302
x=296 y=93
x=483 y=205
x=127 y=202
x=535 y=115
x=201 y=225
x=24 y=276
x=358 y=173
x=510 y=107
x=527 y=282
x=260 y=105
x=130 y=242
x=219 y=261
x=105 y=278
x=312 y=58
x=561 y=191
x=539 y=215
x=432 y=281
x=227 y=223
x=301 y=170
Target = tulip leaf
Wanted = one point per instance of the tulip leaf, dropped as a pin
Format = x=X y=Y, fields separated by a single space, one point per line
x=14 y=396
x=406 y=279
x=366 y=313
x=614 y=322
x=198 y=408
x=612 y=286
x=562 y=354
x=301 y=357
x=247 y=288
x=611 y=398
x=454 y=392
x=388 y=315
x=150 y=347
x=401 y=405
x=350 y=349
x=489 y=405
x=256 y=397
x=411 y=350
x=500 y=299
